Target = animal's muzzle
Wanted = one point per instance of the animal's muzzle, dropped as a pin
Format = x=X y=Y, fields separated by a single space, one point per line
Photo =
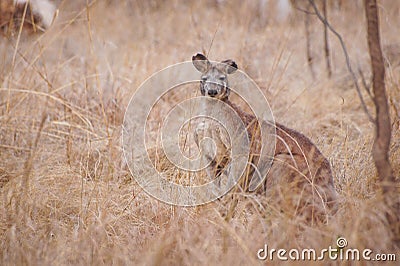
x=212 y=93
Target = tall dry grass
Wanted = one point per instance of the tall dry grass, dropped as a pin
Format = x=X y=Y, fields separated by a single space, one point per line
x=66 y=194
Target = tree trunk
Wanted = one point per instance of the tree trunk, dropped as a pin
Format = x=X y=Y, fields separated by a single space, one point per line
x=380 y=149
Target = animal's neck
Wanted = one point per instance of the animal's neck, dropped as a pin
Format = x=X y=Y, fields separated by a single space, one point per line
x=237 y=109
x=209 y=107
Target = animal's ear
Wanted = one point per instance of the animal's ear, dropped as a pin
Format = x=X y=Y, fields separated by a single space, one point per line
x=229 y=66
x=201 y=62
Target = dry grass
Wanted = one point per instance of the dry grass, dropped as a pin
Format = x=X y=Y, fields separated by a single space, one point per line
x=66 y=197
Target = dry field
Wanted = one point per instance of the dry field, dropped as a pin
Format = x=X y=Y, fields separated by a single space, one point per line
x=66 y=196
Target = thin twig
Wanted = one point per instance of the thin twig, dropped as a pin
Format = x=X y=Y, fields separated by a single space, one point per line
x=295 y=6
x=212 y=41
x=308 y=43
x=364 y=83
x=323 y=20
x=326 y=41
x=15 y=54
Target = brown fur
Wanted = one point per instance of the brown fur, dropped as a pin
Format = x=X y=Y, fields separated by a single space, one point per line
x=7 y=9
x=298 y=165
x=12 y=15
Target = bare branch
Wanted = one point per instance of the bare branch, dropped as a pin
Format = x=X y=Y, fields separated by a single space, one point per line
x=350 y=69
x=364 y=83
x=305 y=11
x=308 y=48
x=326 y=41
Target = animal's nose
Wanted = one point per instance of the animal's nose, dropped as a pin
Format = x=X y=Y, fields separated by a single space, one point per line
x=212 y=92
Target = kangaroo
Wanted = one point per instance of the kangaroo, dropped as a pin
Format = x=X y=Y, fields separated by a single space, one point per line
x=299 y=170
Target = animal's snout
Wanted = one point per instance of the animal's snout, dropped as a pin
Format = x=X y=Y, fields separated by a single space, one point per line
x=212 y=92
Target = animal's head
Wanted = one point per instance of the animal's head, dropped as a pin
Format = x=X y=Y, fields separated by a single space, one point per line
x=214 y=76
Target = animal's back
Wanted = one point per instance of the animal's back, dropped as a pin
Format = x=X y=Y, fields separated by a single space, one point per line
x=300 y=173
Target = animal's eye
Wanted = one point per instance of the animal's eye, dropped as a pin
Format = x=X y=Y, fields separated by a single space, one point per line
x=204 y=78
x=222 y=78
